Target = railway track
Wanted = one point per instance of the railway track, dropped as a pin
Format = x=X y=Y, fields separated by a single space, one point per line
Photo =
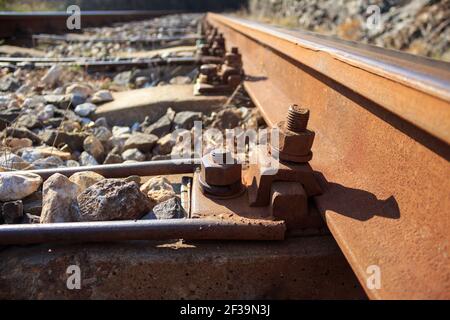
x=22 y=24
x=381 y=157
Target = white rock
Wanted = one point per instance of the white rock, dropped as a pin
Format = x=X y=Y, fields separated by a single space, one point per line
x=16 y=186
x=85 y=109
x=53 y=74
x=85 y=179
x=33 y=154
x=79 y=89
x=59 y=200
x=102 y=96
x=158 y=189
x=120 y=131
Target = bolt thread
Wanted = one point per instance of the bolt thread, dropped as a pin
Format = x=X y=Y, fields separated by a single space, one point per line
x=297 y=118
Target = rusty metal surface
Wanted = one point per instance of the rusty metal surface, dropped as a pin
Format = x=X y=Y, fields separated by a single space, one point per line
x=123 y=170
x=299 y=268
x=403 y=84
x=189 y=229
x=16 y=24
x=382 y=131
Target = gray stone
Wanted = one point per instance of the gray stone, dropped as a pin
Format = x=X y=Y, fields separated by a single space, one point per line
x=60 y=100
x=16 y=186
x=102 y=134
x=113 y=199
x=12 y=211
x=102 y=96
x=142 y=141
x=85 y=109
x=33 y=102
x=46 y=113
x=77 y=100
x=112 y=158
x=93 y=146
x=59 y=200
x=29 y=121
x=87 y=159
x=133 y=154
x=162 y=126
x=102 y=122
x=9 y=83
x=169 y=209
x=164 y=145
x=47 y=163
x=123 y=78
x=185 y=119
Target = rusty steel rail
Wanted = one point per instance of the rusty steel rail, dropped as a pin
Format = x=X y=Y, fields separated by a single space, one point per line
x=16 y=24
x=72 y=39
x=92 y=65
x=188 y=229
x=382 y=123
x=123 y=170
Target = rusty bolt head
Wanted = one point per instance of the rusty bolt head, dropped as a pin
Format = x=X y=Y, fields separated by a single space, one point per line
x=293 y=143
x=234 y=60
x=216 y=172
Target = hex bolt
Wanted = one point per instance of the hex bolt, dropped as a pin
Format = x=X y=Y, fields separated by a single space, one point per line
x=297 y=119
x=218 y=178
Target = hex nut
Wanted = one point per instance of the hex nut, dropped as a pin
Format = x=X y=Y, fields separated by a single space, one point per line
x=219 y=174
x=293 y=143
